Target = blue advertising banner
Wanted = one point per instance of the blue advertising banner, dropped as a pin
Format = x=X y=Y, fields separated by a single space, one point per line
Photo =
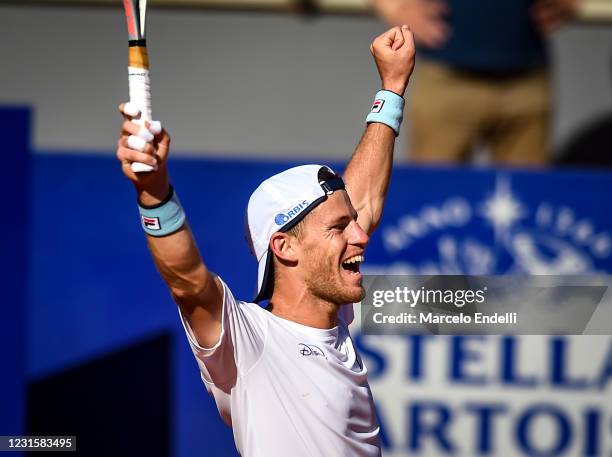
x=106 y=293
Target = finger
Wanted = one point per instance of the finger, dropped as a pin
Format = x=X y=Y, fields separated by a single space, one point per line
x=401 y=39
x=163 y=141
x=435 y=35
x=149 y=149
x=130 y=109
x=428 y=42
x=125 y=116
x=155 y=127
x=436 y=8
x=397 y=44
x=408 y=36
x=163 y=145
x=145 y=134
x=137 y=130
x=125 y=143
x=390 y=36
x=397 y=39
x=127 y=170
x=441 y=33
x=130 y=127
x=126 y=155
x=135 y=142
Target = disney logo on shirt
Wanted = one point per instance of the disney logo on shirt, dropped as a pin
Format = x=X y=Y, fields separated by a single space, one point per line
x=308 y=350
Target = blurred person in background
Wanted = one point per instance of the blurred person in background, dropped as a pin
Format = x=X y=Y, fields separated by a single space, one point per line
x=590 y=147
x=482 y=77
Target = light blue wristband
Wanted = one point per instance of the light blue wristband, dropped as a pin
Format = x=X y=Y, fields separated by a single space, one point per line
x=388 y=108
x=164 y=218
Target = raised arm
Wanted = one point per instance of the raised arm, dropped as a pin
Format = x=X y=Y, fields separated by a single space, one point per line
x=196 y=290
x=368 y=172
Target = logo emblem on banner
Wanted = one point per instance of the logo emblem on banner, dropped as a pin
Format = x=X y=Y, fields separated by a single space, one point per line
x=538 y=237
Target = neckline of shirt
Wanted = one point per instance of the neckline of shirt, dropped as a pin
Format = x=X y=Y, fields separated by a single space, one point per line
x=313 y=331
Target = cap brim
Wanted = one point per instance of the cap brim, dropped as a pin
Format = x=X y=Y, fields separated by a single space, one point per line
x=264 y=273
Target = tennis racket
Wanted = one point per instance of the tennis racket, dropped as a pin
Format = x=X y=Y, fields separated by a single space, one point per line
x=138 y=66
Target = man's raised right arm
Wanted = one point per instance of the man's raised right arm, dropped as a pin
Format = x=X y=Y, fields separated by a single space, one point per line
x=198 y=293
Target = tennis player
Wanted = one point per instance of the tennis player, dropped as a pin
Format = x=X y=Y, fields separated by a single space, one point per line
x=287 y=378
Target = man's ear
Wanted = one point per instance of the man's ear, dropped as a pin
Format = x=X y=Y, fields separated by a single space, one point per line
x=284 y=248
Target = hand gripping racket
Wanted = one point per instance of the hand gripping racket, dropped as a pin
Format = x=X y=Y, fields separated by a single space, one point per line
x=138 y=66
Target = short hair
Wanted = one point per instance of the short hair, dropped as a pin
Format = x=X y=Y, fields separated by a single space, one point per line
x=297 y=231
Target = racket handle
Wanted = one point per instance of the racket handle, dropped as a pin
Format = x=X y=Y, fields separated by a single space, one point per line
x=140 y=96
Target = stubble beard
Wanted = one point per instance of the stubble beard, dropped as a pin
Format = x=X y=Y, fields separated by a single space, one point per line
x=326 y=284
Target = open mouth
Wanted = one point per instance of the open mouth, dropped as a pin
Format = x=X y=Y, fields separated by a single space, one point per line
x=352 y=264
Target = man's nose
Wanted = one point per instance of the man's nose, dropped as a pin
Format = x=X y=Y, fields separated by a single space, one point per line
x=358 y=236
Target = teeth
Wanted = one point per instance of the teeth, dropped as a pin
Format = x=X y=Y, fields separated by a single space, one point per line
x=355 y=259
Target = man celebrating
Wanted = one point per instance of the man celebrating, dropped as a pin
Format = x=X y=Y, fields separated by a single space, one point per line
x=286 y=378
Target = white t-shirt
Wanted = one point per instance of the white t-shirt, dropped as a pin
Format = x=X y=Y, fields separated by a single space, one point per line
x=288 y=389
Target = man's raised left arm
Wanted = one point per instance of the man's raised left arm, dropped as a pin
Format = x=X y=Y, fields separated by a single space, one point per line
x=368 y=172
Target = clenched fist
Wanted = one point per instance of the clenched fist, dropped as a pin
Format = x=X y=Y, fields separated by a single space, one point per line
x=394 y=53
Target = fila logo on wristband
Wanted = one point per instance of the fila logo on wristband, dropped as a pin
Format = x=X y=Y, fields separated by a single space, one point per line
x=377 y=106
x=151 y=223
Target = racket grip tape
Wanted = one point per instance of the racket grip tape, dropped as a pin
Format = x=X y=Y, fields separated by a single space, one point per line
x=140 y=92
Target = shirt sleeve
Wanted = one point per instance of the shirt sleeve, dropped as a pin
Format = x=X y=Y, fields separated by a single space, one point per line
x=240 y=344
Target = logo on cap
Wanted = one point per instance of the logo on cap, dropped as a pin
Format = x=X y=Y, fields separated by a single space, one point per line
x=283 y=218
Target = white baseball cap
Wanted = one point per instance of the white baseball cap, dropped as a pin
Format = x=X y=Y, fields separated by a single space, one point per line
x=277 y=205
